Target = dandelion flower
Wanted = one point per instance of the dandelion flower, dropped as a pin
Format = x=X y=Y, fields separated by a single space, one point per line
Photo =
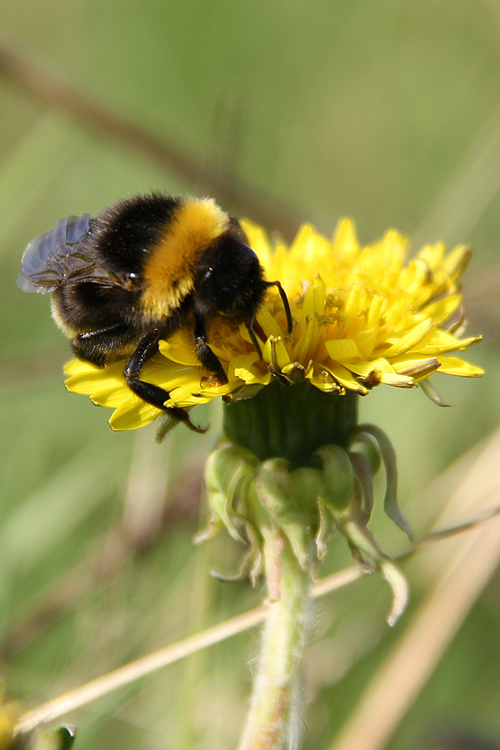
x=363 y=316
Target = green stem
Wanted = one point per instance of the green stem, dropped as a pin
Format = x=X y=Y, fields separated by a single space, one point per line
x=274 y=719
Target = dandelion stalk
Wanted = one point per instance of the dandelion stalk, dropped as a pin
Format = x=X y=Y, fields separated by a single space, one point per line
x=274 y=718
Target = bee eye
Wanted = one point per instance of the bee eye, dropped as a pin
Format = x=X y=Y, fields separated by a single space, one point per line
x=207 y=274
x=130 y=280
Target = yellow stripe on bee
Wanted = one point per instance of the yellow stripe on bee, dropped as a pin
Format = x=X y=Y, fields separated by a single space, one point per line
x=169 y=270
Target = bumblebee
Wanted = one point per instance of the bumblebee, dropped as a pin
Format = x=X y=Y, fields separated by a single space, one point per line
x=137 y=272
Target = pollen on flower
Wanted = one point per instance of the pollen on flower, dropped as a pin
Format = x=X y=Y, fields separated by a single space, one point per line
x=363 y=316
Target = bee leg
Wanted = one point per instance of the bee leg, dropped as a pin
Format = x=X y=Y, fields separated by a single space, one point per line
x=95 y=346
x=206 y=356
x=253 y=337
x=152 y=394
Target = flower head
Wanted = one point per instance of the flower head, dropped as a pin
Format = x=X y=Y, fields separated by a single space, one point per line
x=362 y=317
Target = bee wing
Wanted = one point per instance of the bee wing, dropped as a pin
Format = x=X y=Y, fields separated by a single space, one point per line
x=60 y=257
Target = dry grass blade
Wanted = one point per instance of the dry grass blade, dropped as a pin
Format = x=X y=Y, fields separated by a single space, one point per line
x=136 y=669
x=471 y=560
x=148 y=664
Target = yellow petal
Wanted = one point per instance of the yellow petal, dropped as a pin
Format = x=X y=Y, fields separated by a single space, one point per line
x=345 y=241
x=276 y=352
x=432 y=255
x=131 y=416
x=441 y=310
x=365 y=368
x=441 y=342
x=175 y=350
x=399 y=381
x=268 y=324
x=345 y=378
x=309 y=333
x=89 y=379
x=410 y=340
x=343 y=350
x=457 y=261
x=416 y=368
x=457 y=366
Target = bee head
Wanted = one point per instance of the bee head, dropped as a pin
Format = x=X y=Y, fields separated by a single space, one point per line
x=230 y=280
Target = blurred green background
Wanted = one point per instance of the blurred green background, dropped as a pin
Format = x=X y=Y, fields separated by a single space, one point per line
x=385 y=111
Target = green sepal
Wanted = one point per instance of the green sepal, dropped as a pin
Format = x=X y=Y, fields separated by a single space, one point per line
x=364 y=476
x=400 y=591
x=388 y=454
x=338 y=475
x=432 y=394
x=362 y=543
x=326 y=527
x=225 y=470
x=366 y=550
x=365 y=444
x=215 y=524
x=308 y=484
x=278 y=496
x=250 y=567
